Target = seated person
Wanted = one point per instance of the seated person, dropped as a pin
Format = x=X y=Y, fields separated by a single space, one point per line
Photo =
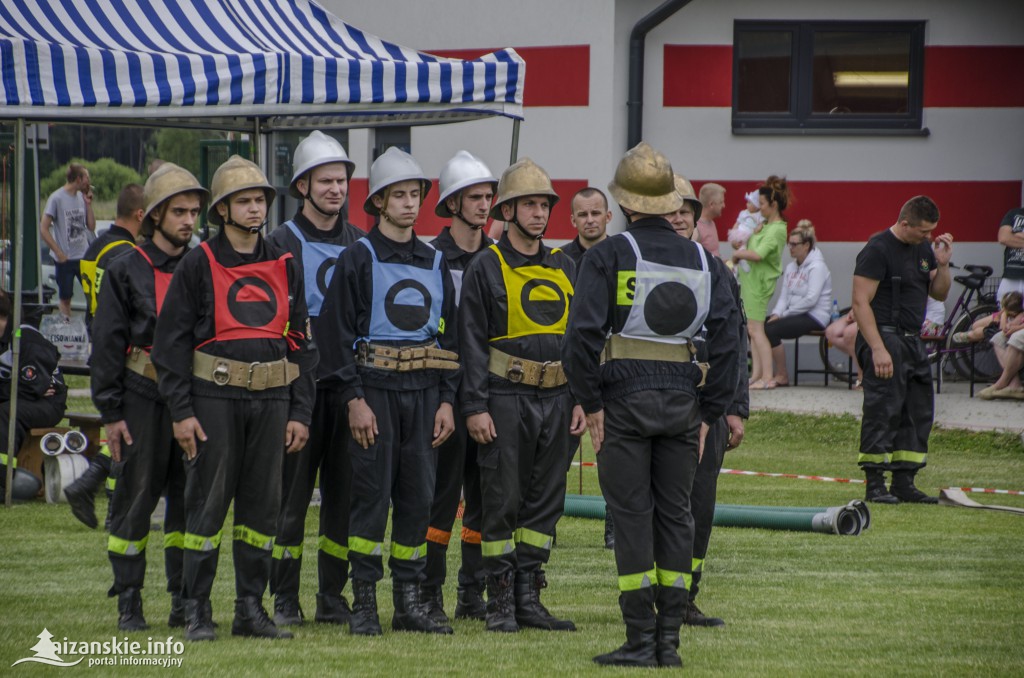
x=805 y=298
x=842 y=334
x=1009 y=318
x=1008 y=345
x=42 y=395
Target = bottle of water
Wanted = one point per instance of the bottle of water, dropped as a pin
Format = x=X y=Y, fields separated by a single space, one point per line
x=835 y=311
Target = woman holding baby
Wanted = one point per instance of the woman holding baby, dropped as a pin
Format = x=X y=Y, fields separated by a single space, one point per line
x=763 y=252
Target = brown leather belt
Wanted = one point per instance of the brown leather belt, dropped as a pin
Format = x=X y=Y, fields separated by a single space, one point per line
x=619 y=347
x=250 y=376
x=138 y=362
x=406 y=358
x=528 y=372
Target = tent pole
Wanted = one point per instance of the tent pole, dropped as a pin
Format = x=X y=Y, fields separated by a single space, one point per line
x=515 y=142
x=39 y=250
x=19 y=227
x=257 y=144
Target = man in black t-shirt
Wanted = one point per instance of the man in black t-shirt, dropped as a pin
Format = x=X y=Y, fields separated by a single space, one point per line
x=1011 y=237
x=895 y=274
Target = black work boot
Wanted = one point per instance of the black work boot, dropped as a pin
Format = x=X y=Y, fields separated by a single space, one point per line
x=609 y=530
x=81 y=494
x=692 y=616
x=903 y=488
x=672 y=603
x=251 y=619
x=501 y=607
x=332 y=609
x=129 y=607
x=876 y=491
x=640 y=648
x=364 y=620
x=287 y=611
x=410 y=614
x=177 y=618
x=530 y=612
x=199 y=616
x=470 y=603
x=432 y=600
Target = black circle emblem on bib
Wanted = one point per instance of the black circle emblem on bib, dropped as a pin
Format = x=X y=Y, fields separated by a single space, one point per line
x=543 y=302
x=251 y=301
x=670 y=308
x=407 y=305
x=321 y=273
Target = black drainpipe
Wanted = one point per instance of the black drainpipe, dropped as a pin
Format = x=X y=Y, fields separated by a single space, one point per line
x=635 y=103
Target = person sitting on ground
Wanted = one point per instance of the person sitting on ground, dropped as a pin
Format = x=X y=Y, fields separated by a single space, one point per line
x=803 y=305
x=1010 y=317
x=748 y=223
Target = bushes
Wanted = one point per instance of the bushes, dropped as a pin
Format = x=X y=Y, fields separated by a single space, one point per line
x=107 y=178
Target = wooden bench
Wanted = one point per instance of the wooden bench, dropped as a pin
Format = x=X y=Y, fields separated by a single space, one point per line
x=30 y=456
x=797 y=371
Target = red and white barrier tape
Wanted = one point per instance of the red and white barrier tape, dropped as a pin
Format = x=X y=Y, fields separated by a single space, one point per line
x=827 y=479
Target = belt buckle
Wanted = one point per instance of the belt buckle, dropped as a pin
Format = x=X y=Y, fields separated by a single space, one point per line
x=515 y=372
x=543 y=371
x=221 y=374
x=252 y=370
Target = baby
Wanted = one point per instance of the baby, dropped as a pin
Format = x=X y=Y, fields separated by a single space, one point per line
x=748 y=223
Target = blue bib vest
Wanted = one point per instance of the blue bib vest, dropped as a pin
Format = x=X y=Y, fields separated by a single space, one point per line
x=318 y=262
x=406 y=300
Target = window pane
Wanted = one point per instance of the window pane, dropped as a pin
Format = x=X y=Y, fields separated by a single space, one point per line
x=764 y=62
x=861 y=72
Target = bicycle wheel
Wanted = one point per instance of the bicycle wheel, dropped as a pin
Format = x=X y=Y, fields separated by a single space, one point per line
x=834 y=360
x=986 y=365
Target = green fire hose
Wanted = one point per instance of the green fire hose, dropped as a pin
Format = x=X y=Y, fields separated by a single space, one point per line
x=849 y=520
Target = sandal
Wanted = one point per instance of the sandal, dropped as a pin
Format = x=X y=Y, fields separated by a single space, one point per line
x=777 y=384
x=760 y=385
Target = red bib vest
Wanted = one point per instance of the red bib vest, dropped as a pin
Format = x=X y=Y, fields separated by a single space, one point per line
x=251 y=300
x=161 y=281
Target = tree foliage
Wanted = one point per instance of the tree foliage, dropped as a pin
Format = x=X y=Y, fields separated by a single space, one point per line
x=180 y=146
x=107 y=177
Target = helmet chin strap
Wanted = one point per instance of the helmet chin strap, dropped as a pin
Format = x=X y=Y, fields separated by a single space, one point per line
x=251 y=230
x=458 y=213
x=309 y=197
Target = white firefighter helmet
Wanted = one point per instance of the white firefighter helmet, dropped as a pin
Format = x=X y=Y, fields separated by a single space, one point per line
x=462 y=171
x=315 y=150
x=392 y=167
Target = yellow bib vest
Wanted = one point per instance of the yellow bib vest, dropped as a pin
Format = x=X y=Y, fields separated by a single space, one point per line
x=538 y=299
x=92 y=274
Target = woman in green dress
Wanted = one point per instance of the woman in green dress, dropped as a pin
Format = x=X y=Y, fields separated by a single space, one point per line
x=757 y=285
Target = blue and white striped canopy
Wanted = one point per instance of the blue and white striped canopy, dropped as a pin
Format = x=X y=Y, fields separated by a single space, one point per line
x=285 y=62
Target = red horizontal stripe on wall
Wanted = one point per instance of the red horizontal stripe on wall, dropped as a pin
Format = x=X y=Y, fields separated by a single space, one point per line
x=429 y=224
x=851 y=211
x=556 y=76
x=697 y=75
x=974 y=77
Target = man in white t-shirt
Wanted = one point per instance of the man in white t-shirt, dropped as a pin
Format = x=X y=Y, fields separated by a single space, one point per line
x=69 y=214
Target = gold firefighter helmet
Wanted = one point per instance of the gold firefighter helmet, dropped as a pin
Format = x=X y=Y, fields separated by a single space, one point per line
x=166 y=182
x=523 y=178
x=685 y=189
x=236 y=174
x=644 y=182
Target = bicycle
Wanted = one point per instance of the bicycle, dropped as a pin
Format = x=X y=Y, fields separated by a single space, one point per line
x=941 y=345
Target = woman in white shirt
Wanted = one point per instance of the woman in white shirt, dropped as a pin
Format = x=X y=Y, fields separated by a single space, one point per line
x=805 y=301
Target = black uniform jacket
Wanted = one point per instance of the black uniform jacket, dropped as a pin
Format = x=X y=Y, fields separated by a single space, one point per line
x=740 y=405
x=456 y=257
x=575 y=251
x=38 y=367
x=187 y=320
x=595 y=314
x=345 y=317
x=114 y=234
x=343 y=234
x=125 y=317
x=484 y=315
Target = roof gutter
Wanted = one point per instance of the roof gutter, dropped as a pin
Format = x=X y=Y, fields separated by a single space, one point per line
x=635 y=103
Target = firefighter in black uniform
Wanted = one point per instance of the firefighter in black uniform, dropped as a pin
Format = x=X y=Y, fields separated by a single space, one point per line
x=895 y=274
x=391 y=310
x=467 y=190
x=726 y=433
x=514 y=304
x=236 y=367
x=644 y=296
x=117 y=240
x=316 y=237
x=147 y=460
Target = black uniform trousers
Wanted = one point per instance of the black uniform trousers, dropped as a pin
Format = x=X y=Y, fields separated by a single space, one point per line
x=898 y=412
x=31 y=414
x=704 y=495
x=457 y=475
x=150 y=467
x=522 y=479
x=326 y=452
x=646 y=467
x=240 y=460
x=397 y=470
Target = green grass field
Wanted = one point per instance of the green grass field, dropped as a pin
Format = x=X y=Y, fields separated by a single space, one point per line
x=926 y=591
